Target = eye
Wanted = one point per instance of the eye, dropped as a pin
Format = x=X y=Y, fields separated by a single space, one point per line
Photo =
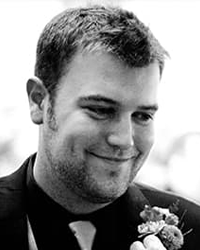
x=100 y=113
x=142 y=118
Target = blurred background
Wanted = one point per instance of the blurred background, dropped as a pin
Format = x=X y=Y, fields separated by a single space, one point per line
x=174 y=163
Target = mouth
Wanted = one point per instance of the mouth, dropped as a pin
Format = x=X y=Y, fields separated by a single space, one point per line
x=112 y=159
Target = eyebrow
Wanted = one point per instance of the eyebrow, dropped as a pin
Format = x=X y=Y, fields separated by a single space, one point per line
x=149 y=107
x=100 y=98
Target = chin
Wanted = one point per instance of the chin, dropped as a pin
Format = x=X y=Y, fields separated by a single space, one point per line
x=108 y=195
x=103 y=199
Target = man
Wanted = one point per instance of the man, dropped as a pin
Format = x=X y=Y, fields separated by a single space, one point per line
x=94 y=97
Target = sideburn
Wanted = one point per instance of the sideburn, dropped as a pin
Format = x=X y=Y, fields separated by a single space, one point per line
x=51 y=118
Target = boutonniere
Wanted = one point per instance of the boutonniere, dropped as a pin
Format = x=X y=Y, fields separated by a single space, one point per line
x=163 y=223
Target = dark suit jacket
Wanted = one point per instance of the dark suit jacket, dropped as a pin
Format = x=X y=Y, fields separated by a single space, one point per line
x=13 y=220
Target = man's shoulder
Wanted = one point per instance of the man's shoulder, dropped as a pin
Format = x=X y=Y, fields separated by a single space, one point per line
x=12 y=192
x=13 y=220
x=163 y=198
x=13 y=180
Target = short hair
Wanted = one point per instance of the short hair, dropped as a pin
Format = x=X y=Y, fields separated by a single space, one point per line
x=94 y=28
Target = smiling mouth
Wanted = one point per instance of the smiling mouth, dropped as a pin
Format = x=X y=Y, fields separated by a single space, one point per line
x=112 y=159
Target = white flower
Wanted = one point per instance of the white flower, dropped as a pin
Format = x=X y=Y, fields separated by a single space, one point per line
x=163 y=223
x=151 y=227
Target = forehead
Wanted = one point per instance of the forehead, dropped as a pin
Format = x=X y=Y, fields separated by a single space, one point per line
x=103 y=74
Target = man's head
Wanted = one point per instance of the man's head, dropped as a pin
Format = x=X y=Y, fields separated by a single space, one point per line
x=104 y=66
x=97 y=28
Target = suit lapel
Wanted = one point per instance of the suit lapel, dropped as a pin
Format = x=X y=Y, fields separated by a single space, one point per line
x=134 y=203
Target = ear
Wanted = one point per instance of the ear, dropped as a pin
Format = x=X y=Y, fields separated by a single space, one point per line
x=36 y=94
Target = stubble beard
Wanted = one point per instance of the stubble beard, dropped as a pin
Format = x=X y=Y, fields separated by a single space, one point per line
x=76 y=177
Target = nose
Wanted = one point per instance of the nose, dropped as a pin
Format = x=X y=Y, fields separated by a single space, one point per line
x=121 y=134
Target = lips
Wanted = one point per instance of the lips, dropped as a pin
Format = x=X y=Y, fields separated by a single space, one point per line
x=113 y=159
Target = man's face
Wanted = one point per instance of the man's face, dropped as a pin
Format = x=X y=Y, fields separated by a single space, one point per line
x=102 y=129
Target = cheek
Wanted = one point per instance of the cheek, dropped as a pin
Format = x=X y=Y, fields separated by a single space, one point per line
x=78 y=123
x=81 y=134
x=144 y=139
